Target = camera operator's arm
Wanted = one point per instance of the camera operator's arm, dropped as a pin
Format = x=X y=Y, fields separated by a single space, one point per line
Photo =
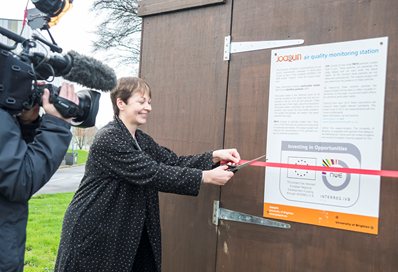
x=25 y=168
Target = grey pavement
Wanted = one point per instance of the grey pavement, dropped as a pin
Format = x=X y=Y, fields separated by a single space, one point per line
x=66 y=179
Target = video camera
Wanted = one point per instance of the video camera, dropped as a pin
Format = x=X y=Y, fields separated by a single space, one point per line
x=19 y=74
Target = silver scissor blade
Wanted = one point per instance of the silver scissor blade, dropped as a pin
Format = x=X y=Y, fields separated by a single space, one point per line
x=249 y=162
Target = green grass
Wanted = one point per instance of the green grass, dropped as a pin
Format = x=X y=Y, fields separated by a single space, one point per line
x=81 y=156
x=46 y=213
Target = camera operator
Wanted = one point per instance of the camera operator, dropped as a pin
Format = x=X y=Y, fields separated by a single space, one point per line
x=31 y=150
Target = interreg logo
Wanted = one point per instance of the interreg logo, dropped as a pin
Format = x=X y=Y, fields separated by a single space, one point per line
x=289 y=58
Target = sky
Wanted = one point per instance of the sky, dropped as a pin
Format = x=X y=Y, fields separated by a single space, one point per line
x=74 y=31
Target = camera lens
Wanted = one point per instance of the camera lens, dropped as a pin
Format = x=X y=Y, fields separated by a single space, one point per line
x=89 y=104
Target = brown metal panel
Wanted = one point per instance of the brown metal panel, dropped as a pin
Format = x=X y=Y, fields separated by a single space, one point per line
x=245 y=247
x=182 y=59
x=151 y=7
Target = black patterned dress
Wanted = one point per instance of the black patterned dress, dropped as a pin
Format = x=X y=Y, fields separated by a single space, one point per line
x=112 y=223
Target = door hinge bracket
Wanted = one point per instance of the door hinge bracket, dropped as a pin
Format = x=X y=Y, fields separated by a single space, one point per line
x=225 y=214
x=238 y=47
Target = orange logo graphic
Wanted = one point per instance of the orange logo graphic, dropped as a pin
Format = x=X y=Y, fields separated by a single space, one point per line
x=288 y=58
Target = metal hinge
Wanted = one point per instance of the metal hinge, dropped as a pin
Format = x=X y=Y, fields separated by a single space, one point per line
x=237 y=47
x=225 y=214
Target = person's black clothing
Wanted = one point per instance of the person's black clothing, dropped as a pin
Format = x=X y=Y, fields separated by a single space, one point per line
x=112 y=223
x=24 y=168
x=144 y=260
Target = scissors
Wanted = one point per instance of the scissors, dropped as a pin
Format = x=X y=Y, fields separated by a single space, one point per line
x=234 y=168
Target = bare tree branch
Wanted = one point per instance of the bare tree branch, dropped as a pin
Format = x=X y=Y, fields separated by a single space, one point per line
x=83 y=137
x=120 y=28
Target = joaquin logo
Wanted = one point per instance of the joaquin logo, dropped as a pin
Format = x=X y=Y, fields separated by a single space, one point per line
x=288 y=58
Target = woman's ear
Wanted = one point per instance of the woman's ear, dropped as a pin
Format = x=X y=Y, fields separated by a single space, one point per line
x=120 y=104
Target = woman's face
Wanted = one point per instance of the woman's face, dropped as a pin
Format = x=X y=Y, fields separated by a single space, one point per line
x=137 y=108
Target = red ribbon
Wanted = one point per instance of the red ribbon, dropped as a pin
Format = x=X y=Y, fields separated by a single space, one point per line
x=384 y=173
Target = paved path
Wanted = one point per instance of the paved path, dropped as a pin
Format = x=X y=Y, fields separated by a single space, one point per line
x=66 y=179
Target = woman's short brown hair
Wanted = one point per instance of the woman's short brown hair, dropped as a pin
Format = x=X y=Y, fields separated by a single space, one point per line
x=126 y=87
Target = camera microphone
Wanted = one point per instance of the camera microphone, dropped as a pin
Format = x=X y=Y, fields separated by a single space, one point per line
x=78 y=68
x=90 y=72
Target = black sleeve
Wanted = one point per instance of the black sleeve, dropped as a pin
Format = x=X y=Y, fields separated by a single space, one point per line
x=25 y=168
x=29 y=130
x=112 y=153
x=199 y=161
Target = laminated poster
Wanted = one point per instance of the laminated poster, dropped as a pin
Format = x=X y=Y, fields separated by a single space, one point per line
x=326 y=105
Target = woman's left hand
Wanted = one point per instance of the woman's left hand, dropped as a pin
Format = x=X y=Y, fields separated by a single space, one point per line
x=229 y=155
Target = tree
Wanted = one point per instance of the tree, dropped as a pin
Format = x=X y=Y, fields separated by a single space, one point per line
x=120 y=30
x=83 y=136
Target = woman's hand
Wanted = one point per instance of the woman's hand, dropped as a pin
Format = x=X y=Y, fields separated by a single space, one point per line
x=217 y=176
x=228 y=155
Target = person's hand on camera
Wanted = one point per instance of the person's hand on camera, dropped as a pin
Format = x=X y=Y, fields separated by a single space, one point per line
x=217 y=176
x=68 y=92
x=228 y=155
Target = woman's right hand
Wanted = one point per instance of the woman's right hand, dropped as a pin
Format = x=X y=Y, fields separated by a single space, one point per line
x=217 y=176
